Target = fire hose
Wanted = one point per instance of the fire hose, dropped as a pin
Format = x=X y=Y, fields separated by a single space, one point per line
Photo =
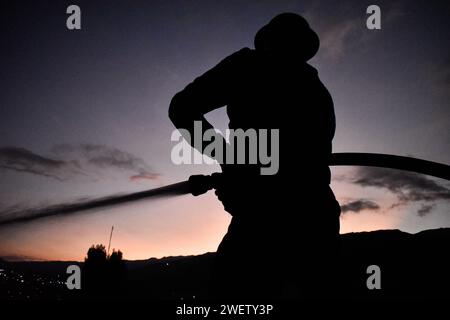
x=201 y=183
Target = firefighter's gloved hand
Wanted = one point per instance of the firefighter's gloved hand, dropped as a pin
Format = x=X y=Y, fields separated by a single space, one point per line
x=200 y=184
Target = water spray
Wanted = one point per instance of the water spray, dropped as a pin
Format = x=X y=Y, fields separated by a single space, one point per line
x=199 y=184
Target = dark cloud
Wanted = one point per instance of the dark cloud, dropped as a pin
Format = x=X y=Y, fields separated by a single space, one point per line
x=359 y=205
x=105 y=157
x=68 y=161
x=425 y=209
x=145 y=176
x=407 y=186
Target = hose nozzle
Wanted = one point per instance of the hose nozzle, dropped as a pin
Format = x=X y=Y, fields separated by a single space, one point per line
x=200 y=184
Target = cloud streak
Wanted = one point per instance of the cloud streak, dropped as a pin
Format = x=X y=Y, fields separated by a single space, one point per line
x=425 y=209
x=70 y=160
x=359 y=205
x=23 y=160
x=408 y=187
x=106 y=157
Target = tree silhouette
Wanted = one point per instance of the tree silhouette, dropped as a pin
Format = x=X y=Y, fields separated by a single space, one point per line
x=103 y=276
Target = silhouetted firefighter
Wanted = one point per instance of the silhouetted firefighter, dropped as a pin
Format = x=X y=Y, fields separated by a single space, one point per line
x=285 y=227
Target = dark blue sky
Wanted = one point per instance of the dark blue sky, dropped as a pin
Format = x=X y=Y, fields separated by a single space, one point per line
x=104 y=91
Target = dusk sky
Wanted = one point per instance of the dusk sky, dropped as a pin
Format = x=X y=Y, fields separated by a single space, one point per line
x=83 y=113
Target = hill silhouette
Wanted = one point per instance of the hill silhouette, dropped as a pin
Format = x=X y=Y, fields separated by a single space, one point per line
x=413 y=266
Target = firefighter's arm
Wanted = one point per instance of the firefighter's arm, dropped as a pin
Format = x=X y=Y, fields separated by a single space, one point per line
x=208 y=92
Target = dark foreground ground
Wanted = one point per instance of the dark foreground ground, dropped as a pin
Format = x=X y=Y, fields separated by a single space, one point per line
x=413 y=266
